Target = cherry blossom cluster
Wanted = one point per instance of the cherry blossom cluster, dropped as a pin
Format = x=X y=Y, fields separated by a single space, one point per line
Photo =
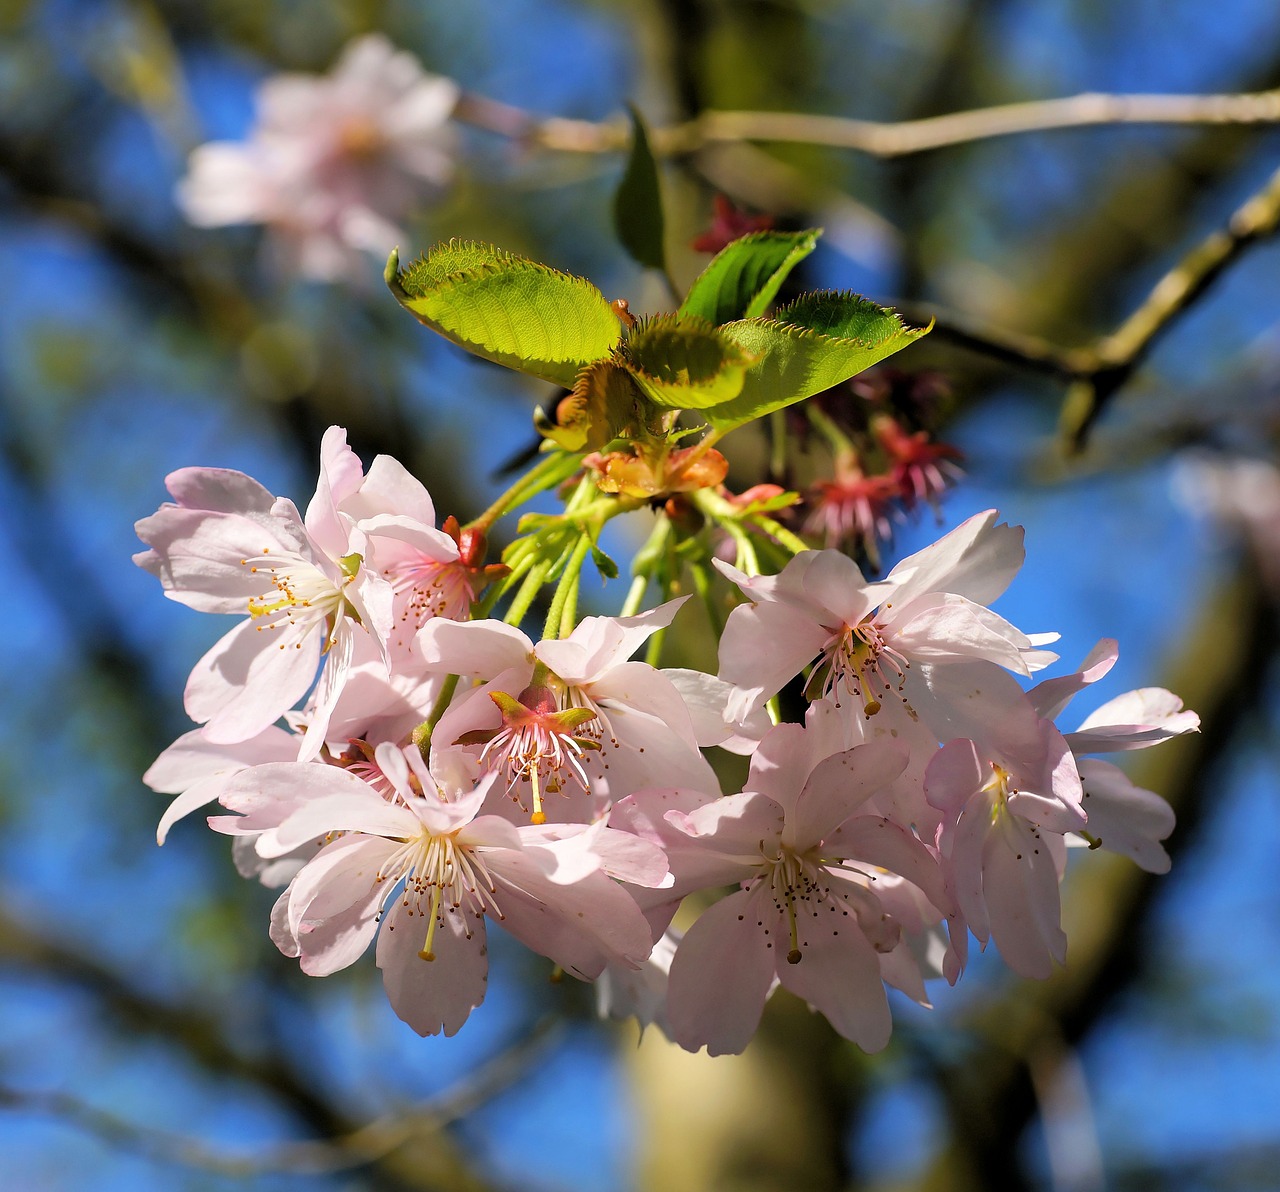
x=410 y=769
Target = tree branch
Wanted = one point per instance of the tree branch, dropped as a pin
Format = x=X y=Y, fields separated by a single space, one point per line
x=341 y=1152
x=874 y=137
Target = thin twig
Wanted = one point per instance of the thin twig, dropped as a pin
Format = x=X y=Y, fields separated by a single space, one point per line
x=874 y=137
x=342 y=1152
x=1117 y=355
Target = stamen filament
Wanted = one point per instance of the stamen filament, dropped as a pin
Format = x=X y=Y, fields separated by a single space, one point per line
x=427 y=953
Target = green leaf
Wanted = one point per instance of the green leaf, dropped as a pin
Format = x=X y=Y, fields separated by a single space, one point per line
x=507 y=309
x=637 y=205
x=685 y=363
x=798 y=361
x=607 y=568
x=743 y=278
x=840 y=314
x=602 y=404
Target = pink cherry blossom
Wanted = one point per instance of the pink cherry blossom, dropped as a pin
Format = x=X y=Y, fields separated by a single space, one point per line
x=334 y=163
x=630 y=728
x=863 y=637
x=807 y=914
x=423 y=871
x=229 y=546
x=1009 y=789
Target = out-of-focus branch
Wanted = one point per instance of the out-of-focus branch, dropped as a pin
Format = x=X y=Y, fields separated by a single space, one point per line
x=1116 y=356
x=434 y=1164
x=341 y=1152
x=874 y=137
x=1097 y=371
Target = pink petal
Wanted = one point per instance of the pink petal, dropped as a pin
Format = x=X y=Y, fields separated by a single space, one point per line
x=599 y=644
x=763 y=647
x=434 y=995
x=1020 y=885
x=838 y=787
x=249 y=679
x=340 y=476
x=955 y=774
x=1051 y=696
x=582 y=927
x=839 y=976
x=877 y=841
x=938 y=628
x=193 y=757
x=390 y=488
x=736 y=826
x=474 y=649
x=722 y=973
x=977 y=560
x=1124 y=817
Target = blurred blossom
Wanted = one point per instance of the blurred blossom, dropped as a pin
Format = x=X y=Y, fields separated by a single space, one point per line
x=334 y=163
x=1242 y=494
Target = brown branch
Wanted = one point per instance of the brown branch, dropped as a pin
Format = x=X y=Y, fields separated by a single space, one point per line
x=874 y=137
x=1097 y=371
x=341 y=1152
x=435 y=1163
x=1116 y=356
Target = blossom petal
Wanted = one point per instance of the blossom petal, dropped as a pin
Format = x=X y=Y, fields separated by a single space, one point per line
x=880 y=842
x=838 y=787
x=1052 y=695
x=1020 y=886
x=839 y=976
x=764 y=646
x=473 y=649
x=1125 y=818
x=434 y=996
x=976 y=560
x=582 y=927
x=721 y=975
x=249 y=679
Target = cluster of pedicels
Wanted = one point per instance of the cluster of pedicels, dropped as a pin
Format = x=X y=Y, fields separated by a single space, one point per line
x=410 y=769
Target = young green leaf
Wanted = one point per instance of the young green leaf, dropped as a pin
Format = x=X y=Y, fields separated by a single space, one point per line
x=743 y=278
x=508 y=309
x=602 y=404
x=840 y=314
x=637 y=204
x=797 y=361
x=686 y=363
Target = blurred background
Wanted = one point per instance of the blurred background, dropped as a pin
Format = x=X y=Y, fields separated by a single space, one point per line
x=153 y=1036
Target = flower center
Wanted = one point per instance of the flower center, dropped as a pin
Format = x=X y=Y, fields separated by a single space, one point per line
x=999 y=783
x=537 y=742
x=432 y=588
x=434 y=868
x=795 y=877
x=862 y=662
x=297 y=595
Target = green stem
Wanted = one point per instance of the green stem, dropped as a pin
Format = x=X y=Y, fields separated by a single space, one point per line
x=543 y=475
x=422 y=734
x=564 y=604
x=635 y=596
x=653 y=652
x=528 y=591
x=778 y=446
x=484 y=606
x=702 y=582
x=746 y=560
x=791 y=541
x=840 y=443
